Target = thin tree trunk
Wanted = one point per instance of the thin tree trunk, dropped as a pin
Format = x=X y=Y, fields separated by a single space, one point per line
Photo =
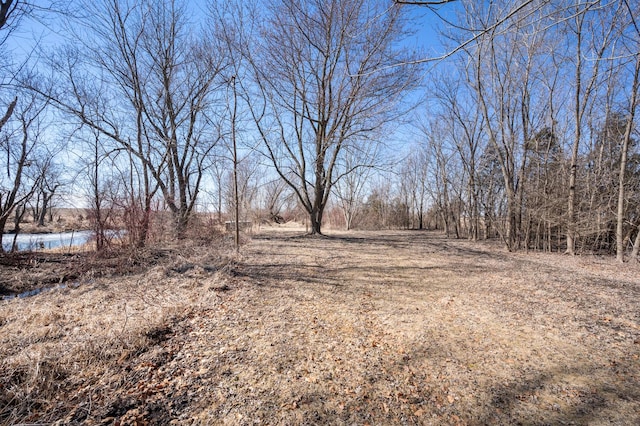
x=636 y=244
x=236 y=197
x=20 y=211
x=623 y=163
x=571 y=215
x=3 y=223
x=46 y=199
x=8 y=113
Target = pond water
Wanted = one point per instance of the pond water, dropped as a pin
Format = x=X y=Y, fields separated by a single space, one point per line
x=46 y=241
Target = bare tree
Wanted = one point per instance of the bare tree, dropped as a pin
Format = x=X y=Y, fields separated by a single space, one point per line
x=356 y=166
x=505 y=72
x=457 y=108
x=218 y=171
x=318 y=93
x=157 y=98
x=277 y=199
x=634 y=50
x=19 y=146
x=49 y=184
x=414 y=178
x=586 y=77
x=98 y=174
x=442 y=179
x=235 y=161
x=96 y=195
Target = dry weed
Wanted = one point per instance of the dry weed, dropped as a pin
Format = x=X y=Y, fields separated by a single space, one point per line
x=356 y=328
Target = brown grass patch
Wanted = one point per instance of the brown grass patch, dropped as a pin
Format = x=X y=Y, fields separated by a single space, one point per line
x=355 y=328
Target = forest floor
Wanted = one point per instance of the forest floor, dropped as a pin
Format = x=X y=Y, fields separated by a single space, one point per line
x=395 y=327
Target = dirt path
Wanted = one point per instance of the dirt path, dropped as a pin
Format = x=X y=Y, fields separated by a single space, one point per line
x=359 y=328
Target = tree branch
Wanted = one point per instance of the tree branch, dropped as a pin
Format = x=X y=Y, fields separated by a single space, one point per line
x=424 y=3
x=6 y=8
x=7 y=115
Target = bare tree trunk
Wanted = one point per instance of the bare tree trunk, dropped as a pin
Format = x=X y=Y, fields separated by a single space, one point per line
x=20 y=211
x=623 y=162
x=573 y=171
x=582 y=96
x=8 y=113
x=636 y=244
x=315 y=217
x=236 y=210
x=43 y=212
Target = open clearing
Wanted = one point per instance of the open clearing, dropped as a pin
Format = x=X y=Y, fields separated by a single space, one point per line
x=394 y=327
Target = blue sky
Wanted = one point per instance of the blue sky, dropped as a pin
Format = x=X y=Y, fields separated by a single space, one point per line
x=426 y=37
x=22 y=41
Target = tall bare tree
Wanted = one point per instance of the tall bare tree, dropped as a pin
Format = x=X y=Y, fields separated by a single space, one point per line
x=50 y=182
x=592 y=36
x=157 y=98
x=633 y=47
x=505 y=72
x=456 y=106
x=322 y=83
x=414 y=181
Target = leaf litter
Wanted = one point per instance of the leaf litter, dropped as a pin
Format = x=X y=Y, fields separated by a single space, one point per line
x=393 y=327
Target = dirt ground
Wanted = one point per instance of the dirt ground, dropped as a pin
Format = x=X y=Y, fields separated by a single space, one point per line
x=394 y=327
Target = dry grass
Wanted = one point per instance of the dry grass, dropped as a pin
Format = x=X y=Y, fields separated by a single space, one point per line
x=357 y=328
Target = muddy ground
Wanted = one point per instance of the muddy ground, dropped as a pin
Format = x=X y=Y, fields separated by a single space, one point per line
x=394 y=327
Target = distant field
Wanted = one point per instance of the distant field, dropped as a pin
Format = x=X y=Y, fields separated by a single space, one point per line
x=394 y=327
x=63 y=219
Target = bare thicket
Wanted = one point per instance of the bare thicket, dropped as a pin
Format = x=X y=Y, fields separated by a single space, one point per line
x=546 y=101
x=356 y=166
x=21 y=138
x=278 y=201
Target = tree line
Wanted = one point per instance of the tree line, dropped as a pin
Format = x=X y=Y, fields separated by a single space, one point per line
x=527 y=132
x=533 y=134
